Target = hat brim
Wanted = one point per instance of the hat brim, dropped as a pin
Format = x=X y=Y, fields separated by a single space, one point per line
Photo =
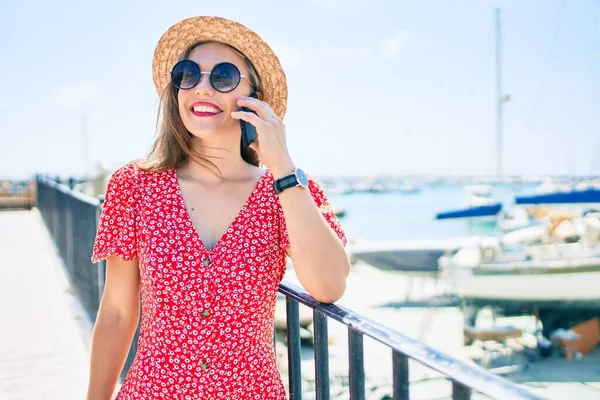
x=185 y=33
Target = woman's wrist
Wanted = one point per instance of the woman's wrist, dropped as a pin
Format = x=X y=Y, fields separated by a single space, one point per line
x=283 y=169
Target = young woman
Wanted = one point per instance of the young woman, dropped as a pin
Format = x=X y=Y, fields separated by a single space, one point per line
x=202 y=228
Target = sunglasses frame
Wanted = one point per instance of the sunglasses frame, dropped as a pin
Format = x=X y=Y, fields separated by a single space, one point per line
x=206 y=72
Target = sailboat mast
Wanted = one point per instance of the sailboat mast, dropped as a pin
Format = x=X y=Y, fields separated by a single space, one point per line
x=499 y=97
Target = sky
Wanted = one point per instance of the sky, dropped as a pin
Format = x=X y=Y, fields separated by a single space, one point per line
x=375 y=87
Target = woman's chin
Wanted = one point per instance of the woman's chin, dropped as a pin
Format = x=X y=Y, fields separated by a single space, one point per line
x=207 y=132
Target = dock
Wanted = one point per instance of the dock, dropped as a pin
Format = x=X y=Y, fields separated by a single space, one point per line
x=44 y=340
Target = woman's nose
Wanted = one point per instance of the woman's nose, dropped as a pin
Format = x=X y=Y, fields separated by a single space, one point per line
x=204 y=86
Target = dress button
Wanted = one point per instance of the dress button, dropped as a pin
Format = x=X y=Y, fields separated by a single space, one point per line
x=205 y=262
x=205 y=313
x=204 y=366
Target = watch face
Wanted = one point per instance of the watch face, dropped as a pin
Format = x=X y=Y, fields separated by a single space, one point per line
x=302 y=179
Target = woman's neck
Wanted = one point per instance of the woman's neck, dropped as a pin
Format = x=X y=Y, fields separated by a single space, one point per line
x=225 y=155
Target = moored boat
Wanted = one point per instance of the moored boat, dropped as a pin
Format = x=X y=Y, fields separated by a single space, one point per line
x=589 y=196
x=479 y=206
x=413 y=257
x=554 y=281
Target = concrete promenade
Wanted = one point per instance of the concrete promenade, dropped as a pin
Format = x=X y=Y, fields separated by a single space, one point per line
x=44 y=339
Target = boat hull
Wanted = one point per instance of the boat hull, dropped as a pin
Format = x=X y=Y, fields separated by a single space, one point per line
x=551 y=289
x=588 y=197
x=545 y=283
x=490 y=210
x=414 y=257
x=414 y=262
x=558 y=296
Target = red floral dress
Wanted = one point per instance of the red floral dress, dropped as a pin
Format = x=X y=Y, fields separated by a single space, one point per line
x=207 y=315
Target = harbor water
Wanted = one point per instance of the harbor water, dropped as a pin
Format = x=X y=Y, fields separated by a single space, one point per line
x=406 y=216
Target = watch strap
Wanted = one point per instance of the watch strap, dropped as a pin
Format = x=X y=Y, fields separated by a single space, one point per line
x=285 y=183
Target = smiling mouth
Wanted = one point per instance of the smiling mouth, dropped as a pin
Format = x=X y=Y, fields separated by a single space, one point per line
x=205 y=111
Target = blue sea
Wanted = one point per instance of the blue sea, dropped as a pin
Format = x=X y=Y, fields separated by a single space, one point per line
x=399 y=216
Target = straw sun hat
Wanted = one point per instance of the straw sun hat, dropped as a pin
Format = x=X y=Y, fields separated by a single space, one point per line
x=185 y=33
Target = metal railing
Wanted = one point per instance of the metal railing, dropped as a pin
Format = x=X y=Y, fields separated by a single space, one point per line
x=466 y=378
x=71 y=218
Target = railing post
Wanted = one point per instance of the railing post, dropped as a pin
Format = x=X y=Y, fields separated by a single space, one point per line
x=55 y=220
x=400 y=376
x=460 y=391
x=293 y=345
x=69 y=256
x=37 y=194
x=357 y=365
x=321 y=355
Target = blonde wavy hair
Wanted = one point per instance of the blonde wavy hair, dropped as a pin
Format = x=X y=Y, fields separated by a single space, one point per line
x=172 y=146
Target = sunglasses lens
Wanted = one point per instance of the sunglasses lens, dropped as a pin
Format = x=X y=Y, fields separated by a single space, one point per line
x=225 y=77
x=185 y=74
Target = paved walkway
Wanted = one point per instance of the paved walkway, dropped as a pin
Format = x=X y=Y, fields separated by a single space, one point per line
x=43 y=337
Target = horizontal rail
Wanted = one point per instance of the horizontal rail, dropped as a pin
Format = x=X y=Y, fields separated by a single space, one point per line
x=458 y=371
x=91 y=200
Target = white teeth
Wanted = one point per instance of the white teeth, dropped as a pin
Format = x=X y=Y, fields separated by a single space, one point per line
x=206 y=109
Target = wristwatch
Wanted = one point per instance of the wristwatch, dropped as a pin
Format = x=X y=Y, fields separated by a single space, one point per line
x=296 y=178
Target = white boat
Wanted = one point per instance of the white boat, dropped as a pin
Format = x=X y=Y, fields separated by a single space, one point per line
x=554 y=281
x=546 y=225
x=542 y=273
x=514 y=218
x=552 y=187
x=530 y=235
x=413 y=257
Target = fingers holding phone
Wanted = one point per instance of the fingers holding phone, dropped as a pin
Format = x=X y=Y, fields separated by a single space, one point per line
x=262 y=121
x=248 y=130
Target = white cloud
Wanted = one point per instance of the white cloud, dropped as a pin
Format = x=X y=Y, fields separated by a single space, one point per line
x=393 y=44
x=74 y=96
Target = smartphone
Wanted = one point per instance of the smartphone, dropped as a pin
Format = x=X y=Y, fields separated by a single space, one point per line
x=248 y=130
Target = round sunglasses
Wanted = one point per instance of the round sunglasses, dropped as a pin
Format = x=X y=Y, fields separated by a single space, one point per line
x=224 y=77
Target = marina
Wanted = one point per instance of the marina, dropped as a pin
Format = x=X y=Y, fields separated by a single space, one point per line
x=535 y=271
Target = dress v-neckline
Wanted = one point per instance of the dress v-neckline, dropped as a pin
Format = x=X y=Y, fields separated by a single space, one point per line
x=188 y=217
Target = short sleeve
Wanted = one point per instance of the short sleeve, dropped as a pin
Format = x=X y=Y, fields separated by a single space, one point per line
x=116 y=232
x=327 y=211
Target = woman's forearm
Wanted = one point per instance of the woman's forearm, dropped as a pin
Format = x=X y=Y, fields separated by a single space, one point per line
x=320 y=260
x=111 y=341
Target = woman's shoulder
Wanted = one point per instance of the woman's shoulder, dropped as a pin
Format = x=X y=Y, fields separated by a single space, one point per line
x=135 y=172
x=127 y=172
